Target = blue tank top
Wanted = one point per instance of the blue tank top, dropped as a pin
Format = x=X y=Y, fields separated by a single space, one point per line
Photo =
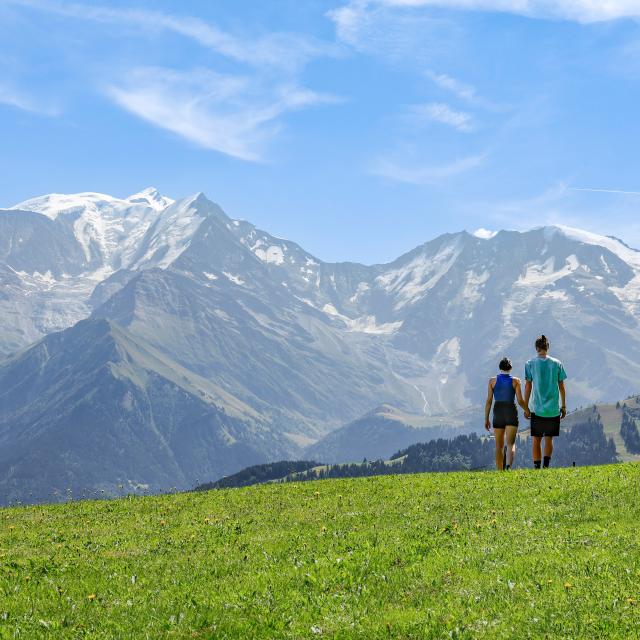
x=503 y=390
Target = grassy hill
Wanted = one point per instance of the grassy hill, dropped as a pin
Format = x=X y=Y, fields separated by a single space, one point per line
x=454 y=555
x=611 y=415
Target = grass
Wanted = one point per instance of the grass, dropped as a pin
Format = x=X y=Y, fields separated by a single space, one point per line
x=611 y=415
x=523 y=554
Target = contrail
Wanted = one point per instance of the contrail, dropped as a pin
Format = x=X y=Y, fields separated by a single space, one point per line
x=627 y=193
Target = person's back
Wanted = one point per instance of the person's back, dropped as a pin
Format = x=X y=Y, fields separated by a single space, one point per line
x=545 y=378
x=503 y=389
x=546 y=372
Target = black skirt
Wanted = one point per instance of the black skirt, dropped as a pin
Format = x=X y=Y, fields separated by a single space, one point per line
x=505 y=414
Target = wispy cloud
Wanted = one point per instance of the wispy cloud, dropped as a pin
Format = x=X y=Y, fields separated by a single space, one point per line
x=12 y=97
x=229 y=114
x=424 y=174
x=533 y=211
x=613 y=191
x=441 y=113
x=583 y=11
x=283 y=50
x=464 y=91
x=560 y=204
x=236 y=112
x=381 y=30
x=461 y=89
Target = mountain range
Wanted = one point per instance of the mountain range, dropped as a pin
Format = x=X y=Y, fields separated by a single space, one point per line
x=147 y=342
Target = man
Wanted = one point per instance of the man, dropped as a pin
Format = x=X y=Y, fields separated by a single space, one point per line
x=545 y=376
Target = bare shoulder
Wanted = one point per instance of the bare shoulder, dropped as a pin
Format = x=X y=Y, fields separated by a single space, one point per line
x=492 y=381
x=516 y=381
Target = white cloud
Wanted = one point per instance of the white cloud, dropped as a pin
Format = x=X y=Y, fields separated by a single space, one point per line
x=230 y=114
x=442 y=113
x=14 y=98
x=425 y=174
x=458 y=88
x=464 y=91
x=614 y=191
x=282 y=50
x=583 y=11
x=381 y=30
x=236 y=113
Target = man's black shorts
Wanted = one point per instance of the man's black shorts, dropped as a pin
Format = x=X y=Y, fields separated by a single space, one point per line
x=505 y=414
x=544 y=426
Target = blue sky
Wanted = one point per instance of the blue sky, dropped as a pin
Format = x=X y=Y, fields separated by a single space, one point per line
x=359 y=128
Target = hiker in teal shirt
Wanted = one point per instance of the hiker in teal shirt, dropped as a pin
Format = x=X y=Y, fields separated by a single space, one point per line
x=544 y=376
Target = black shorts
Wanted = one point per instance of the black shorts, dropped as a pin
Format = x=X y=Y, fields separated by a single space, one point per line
x=505 y=414
x=544 y=426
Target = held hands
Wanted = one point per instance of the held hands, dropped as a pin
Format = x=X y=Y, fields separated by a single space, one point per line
x=527 y=413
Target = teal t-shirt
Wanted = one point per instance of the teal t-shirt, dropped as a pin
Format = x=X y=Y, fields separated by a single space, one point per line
x=545 y=373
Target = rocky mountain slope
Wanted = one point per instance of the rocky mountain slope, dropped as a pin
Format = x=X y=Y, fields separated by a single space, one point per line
x=304 y=345
x=94 y=409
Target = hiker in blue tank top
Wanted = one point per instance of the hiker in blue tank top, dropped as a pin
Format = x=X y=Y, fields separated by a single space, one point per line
x=504 y=389
x=545 y=378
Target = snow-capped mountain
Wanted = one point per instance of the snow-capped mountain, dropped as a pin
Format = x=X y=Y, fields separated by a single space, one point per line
x=303 y=345
x=55 y=250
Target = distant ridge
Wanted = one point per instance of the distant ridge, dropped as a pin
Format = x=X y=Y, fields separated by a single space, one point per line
x=294 y=348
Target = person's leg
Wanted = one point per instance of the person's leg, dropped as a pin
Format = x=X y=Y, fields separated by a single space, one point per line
x=499 y=436
x=511 y=433
x=548 y=450
x=537 y=451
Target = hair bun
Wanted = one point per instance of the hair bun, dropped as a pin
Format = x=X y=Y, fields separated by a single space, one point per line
x=542 y=342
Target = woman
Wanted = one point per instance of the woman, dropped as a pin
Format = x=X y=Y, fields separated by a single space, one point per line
x=504 y=389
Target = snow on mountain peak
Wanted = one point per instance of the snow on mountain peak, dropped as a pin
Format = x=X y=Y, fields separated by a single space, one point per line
x=172 y=232
x=108 y=229
x=484 y=234
x=617 y=247
x=151 y=197
x=54 y=204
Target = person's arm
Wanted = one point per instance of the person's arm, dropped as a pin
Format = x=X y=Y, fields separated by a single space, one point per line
x=527 y=396
x=487 y=406
x=521 y=402
x=527 y=389
x=563 y=397
x=562 y=376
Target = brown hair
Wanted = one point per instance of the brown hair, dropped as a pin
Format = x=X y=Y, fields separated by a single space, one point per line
x=542 y=343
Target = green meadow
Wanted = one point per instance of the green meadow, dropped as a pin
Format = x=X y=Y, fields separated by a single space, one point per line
x=524 y=554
